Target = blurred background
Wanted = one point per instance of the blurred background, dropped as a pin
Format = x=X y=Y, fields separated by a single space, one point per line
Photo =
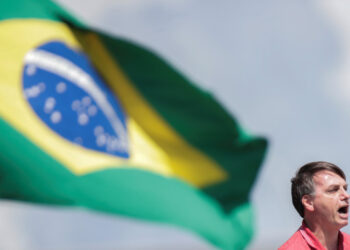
x=282 y=68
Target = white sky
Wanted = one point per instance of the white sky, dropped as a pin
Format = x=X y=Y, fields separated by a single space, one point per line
x=281 y=67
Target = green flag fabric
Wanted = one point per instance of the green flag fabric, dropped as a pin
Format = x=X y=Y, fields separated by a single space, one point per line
x=90 y=120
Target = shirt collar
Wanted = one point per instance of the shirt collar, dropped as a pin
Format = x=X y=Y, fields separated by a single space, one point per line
x=313 y=242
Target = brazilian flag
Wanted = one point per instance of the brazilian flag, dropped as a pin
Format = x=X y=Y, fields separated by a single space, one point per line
x=90 y=120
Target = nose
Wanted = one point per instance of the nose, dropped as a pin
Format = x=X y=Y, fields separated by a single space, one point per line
x=346 y=195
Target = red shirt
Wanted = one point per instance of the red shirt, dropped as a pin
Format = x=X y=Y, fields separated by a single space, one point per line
x=304 y=239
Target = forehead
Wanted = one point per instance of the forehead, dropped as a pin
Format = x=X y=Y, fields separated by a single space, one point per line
x=326 y=178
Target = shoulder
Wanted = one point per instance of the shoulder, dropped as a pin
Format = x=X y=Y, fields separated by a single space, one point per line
x=296 y=242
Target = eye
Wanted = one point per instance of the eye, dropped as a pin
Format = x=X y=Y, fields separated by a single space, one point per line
x=333 y=190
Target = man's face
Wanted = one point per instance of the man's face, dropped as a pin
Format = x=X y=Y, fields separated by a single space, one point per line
x=331 y=200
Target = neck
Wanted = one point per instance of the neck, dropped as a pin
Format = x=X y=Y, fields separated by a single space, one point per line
x=327 y=236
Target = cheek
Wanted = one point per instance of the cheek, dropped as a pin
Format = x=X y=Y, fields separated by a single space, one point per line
x=325 y=203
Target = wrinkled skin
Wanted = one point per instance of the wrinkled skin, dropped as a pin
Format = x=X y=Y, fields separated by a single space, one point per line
x=330 y=195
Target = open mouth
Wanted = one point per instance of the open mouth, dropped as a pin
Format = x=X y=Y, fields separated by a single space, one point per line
x=343 y=210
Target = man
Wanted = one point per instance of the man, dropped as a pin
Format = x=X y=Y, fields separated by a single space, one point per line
x=319 y=193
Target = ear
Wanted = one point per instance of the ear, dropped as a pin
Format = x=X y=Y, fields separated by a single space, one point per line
x=308 y=202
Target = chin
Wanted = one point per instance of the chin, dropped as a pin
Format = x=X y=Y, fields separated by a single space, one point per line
x=342 y=224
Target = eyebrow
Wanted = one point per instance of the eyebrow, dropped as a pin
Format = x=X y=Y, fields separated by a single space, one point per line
x=338 y=185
